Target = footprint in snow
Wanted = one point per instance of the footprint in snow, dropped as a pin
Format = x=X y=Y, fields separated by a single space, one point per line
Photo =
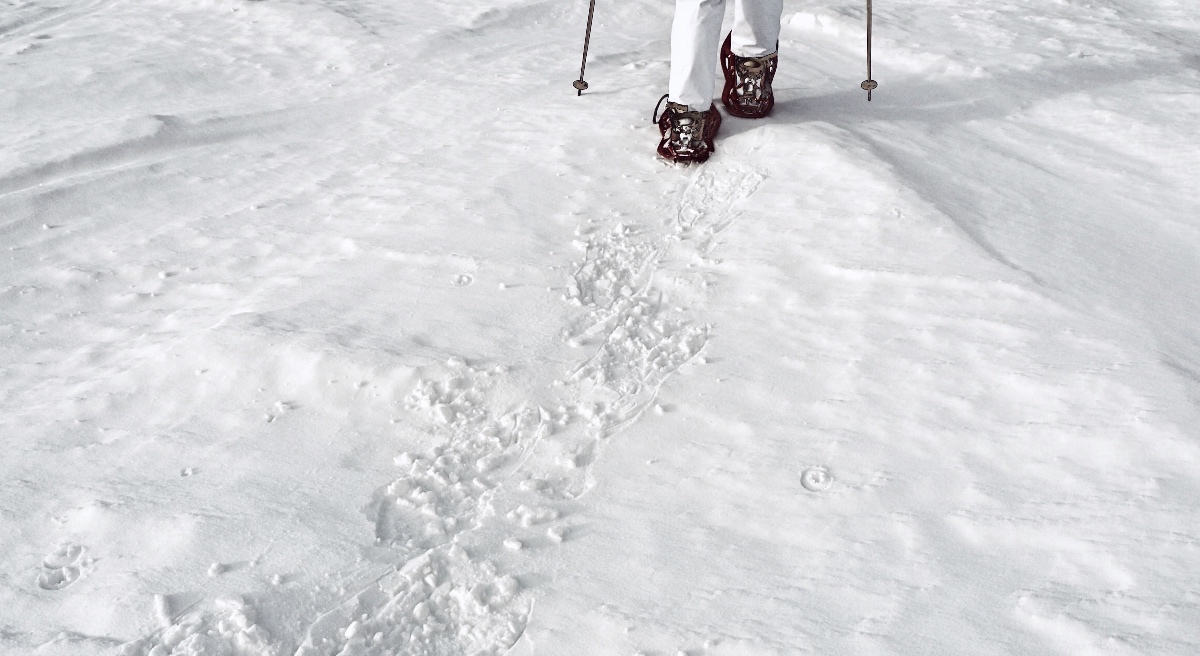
x=62 y=567
x=816 y=479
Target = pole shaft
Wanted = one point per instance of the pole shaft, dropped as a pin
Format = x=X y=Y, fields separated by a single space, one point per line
x=587 y=40
x=869 y=21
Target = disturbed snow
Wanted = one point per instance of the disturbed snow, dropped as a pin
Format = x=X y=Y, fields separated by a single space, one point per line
x=347 y=328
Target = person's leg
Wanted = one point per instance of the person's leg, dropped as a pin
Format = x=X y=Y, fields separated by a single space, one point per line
x=695 y=42
x=748 y=58
x=756 y=27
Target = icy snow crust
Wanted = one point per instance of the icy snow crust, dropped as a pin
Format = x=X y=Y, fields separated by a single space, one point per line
x=345 y=328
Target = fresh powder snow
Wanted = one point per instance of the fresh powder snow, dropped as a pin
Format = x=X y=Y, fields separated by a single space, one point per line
x=345 y=328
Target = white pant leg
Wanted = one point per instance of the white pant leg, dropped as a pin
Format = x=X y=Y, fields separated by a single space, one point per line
x=696 y=42
x=756 y=27
x=695 y=46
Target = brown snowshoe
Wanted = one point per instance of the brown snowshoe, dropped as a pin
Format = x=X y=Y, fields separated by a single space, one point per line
x=747 y=92
x=687 y=135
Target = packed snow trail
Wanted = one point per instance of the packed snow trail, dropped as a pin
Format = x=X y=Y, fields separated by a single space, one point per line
x=311 y=349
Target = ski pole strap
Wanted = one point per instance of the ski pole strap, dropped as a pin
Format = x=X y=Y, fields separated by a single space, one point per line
x=581 y=84
x=868 y=84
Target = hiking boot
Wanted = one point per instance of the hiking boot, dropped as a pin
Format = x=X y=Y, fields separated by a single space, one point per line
x=687 y=135
x=747 y=91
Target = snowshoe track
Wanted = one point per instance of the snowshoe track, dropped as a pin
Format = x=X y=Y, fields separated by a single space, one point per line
x=438 y=604
x=501 y=476
x=640 y=339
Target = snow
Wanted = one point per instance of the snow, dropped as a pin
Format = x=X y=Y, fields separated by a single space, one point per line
x=333 y=328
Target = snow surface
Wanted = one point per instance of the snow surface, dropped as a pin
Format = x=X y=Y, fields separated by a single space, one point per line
x=345 y=327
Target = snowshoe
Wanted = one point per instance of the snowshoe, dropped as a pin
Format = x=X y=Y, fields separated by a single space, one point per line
x=747 y=92
x=687 y=135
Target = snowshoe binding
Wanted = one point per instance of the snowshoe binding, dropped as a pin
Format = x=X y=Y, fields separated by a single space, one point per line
x=747 y=92
x=687 y=135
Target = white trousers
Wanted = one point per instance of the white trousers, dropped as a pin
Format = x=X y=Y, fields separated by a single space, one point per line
x=696 y=43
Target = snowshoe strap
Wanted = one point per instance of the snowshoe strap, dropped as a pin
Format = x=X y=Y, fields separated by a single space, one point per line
x=657 y=105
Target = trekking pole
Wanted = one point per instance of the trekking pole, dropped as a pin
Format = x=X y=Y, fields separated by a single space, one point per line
x=580 y=84
x=868 y=84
